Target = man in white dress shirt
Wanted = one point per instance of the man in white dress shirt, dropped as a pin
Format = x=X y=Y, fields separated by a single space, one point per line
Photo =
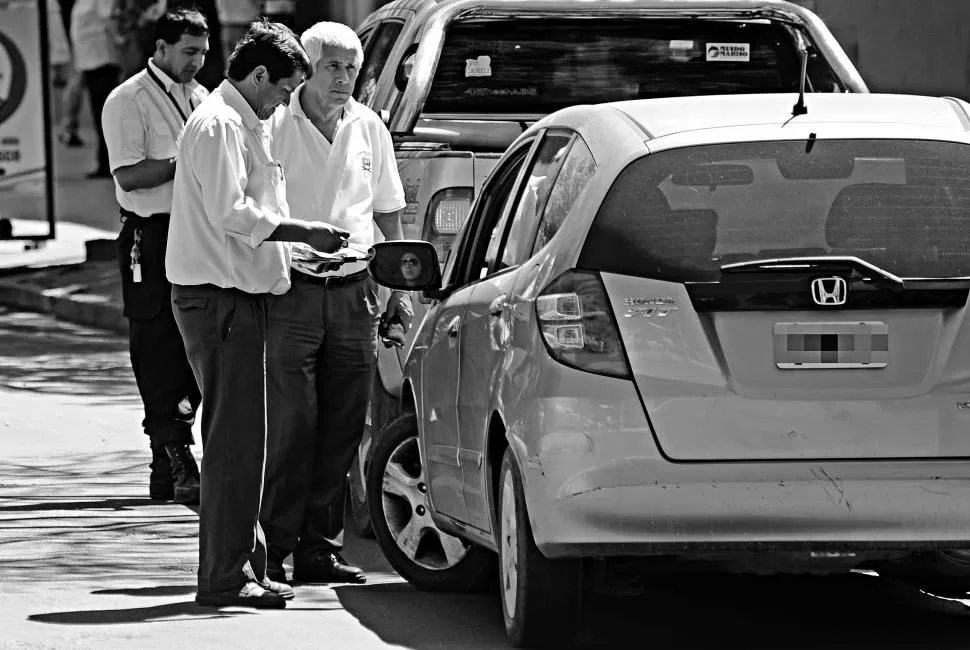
x=226 y=255
x=322 y=347
x=142 y=121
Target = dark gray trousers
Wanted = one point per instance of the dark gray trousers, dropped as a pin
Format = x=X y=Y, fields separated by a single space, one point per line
x=164 y=377
x=321 y=354
x=224 y=331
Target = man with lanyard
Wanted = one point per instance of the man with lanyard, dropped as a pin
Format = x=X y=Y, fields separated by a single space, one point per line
x=339 y=162
x=143 y=120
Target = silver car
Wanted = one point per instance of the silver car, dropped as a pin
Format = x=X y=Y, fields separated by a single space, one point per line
x=725 y=331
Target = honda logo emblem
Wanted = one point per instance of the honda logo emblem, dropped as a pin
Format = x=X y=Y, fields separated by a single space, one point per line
x=829 y=292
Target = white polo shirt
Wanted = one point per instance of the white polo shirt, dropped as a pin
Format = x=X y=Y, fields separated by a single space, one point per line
x=342 y=183
x=229 y=197
x=140 y=121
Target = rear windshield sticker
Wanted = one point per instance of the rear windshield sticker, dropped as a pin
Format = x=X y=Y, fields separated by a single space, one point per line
x=480 y=67
x=728 y=51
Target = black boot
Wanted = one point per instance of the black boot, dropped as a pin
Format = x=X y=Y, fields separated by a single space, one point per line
x=185 y=472
x=161 y=485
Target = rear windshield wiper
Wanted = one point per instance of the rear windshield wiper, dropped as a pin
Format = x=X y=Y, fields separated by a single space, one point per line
x=849 y=264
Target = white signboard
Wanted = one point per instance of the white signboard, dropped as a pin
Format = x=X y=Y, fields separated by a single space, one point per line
x=26 y=179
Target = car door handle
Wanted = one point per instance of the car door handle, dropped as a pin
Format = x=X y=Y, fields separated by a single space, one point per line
x=453 y=327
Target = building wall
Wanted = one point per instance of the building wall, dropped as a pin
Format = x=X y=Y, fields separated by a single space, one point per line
x=908 y=46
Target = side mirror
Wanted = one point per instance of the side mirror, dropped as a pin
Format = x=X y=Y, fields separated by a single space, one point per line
x=409 y=265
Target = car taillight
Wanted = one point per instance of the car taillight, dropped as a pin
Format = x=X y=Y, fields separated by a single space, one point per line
x=446 y=215
x=578 y=327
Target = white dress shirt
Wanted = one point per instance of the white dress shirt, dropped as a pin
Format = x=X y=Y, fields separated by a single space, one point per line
x=342 y=183
x=92 y=34
x=229 y=197
x=140 y=122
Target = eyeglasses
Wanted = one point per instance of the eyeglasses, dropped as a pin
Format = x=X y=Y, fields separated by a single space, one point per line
x=410 y=261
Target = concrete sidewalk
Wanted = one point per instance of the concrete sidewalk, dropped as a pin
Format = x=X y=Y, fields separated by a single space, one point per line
x=87 y=294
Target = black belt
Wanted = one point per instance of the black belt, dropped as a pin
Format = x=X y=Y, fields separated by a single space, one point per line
x=329 y=280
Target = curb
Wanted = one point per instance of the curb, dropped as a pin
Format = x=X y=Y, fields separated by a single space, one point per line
x=94 y=311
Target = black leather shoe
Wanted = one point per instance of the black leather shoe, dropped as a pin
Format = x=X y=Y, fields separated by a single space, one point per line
x=326 y=567
x=185 y=473
x=161 y=484
x=70 y=139
x=251 y=595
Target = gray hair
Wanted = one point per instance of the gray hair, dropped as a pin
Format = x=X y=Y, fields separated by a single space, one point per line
x=325 y=35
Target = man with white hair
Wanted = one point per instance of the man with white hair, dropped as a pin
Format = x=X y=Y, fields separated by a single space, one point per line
x=321 y=346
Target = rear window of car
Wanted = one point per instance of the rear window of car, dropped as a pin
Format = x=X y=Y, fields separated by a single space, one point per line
x=679 y=215
x=540 y=65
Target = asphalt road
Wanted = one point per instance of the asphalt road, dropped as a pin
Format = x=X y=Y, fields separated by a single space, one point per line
x=86 y=561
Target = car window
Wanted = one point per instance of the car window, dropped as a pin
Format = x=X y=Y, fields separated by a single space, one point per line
x=485 y=225
x=532 y=200
x=577 y=168
x=679 y=215
x=376 y=53
x=540 y=65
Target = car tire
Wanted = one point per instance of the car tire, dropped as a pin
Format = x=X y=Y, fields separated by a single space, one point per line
x=381 y=408
x=397 y=496
x=541 y=598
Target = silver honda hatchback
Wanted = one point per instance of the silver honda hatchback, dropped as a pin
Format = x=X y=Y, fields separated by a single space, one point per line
x=717 y=330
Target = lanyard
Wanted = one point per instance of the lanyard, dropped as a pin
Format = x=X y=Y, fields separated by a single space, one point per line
x=170 y=96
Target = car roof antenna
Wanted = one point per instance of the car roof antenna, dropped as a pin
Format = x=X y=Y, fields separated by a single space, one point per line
x=800 y=108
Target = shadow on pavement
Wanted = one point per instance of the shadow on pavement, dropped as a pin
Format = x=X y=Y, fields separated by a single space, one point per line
x=100 y=504
x=43 y=355
x=152 y=592
x=155 y=614
x=852 y=612
x=401 y=615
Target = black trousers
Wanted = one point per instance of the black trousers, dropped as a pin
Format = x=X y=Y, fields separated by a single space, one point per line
x=165 y=381
x=100 y=82
x=225 y=336
x=321 y=354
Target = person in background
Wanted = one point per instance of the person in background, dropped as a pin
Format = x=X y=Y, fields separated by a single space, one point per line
x=322 y=343
x=226 y=257
x=66 y=76
x=143 y=120
x=136 y=24
x=234 y=18
x=95 y=38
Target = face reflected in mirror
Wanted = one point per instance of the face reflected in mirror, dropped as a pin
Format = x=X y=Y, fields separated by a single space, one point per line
x=409 y=265
x=411 y=268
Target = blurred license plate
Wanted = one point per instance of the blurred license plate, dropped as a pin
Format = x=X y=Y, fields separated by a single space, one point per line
x=807 y=346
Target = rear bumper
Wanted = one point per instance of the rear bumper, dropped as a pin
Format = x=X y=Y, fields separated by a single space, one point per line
x=749 y=516
x=600 y=487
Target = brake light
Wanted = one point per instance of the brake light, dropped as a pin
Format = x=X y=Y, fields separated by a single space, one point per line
x=578 y=327
x=447 y=212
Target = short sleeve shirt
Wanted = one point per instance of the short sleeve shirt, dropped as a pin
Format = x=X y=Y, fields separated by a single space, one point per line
x=342 y=183
x=140 y=121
